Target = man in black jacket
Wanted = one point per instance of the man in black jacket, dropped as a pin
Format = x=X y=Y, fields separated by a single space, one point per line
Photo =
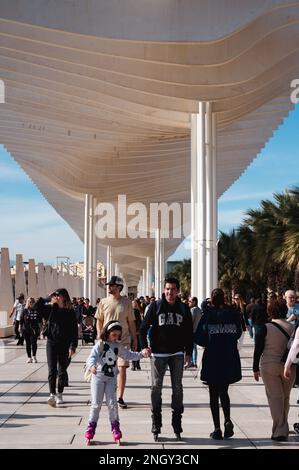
x=171 y=337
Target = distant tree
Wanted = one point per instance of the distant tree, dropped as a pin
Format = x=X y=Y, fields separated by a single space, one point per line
x=182 y=271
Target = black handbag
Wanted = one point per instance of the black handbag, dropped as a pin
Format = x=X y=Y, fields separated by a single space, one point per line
x=46 y=327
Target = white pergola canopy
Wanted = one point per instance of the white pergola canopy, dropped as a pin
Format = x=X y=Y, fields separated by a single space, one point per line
x=99 y=96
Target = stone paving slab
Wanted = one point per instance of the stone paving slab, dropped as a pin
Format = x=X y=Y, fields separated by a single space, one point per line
x=26 y=421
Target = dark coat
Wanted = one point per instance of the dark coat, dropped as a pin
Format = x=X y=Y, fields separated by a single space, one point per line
x=62 y=327
x=218 y=331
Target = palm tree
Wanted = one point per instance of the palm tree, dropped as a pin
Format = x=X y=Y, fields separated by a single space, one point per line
x=182 y=271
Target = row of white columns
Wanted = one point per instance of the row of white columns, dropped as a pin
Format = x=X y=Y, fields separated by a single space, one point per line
x=40 y=284
x=204 y=254
x=90 y=250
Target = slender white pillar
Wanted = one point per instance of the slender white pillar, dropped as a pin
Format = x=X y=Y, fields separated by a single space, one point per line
x=32 y=280
x=110 y=263
x=86 y=245
x=92 y=268
x=144 y=292
x=215 y=201
x=125 y=289
x=116 y=269
x=20 y=285
x=48 y=279
x=209 y=201
x=157 y=264
x=6 y=294
x=201 y=200
x=55 y=284
x=41 y=285
x=149 y=275
x=162 y=265
x=194 y=207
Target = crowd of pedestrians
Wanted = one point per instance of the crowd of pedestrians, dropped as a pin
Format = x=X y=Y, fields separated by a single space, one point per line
x=169 y=330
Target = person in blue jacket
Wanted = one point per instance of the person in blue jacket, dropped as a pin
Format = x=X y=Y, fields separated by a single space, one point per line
x=218 y=332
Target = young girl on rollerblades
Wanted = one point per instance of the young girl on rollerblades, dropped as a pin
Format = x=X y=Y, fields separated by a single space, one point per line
x=102 y=363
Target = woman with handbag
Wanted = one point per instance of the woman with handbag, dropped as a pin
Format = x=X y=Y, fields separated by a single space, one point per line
x=270 y=345
x=61 y=331
x=218 y=332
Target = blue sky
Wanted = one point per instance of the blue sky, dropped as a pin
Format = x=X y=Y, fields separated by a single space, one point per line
x=30 y=226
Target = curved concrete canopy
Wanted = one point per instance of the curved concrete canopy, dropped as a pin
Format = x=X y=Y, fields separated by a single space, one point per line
x=98 y=102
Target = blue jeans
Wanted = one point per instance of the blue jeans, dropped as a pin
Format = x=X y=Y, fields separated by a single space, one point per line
x=250 y=328
x=194 y=354
x=176 y=367
x=101 y=386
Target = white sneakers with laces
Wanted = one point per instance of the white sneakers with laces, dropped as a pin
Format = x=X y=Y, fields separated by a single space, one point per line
x=29 y=360
x=52 y=400
x=59 y=399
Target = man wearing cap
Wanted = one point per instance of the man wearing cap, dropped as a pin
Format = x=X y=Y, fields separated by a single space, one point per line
x=117 y=307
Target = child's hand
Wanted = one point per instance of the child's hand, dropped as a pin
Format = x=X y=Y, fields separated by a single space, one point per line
x=93 y=370
x=146 y=352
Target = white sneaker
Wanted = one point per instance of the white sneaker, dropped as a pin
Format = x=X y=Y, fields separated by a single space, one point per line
x=29 y=360
x=59 y=399
x=51 y=400
x=34 y=359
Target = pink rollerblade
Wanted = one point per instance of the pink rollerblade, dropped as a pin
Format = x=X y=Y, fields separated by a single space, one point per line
x=90 y=431
x=117 y=435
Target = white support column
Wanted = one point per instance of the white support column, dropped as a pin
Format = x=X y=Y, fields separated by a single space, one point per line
x=125 y=289
x=215 y=201
x=32 y=280
x=92 y=269
x=86 y=245
x=116 y=269
x=143 y=282
x=209 y=201
x=20 y=285
x=55 y=284
x=110 y=263
x=48 y=279
x=41 y=285
x=162 y=265
x=203 y=202
x=157 y=264
x=200 y=129
x=149 y=276
x=6 y=295
x=194 y=207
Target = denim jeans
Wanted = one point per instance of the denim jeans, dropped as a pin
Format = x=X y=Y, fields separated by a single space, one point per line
x=176 y=367
x=250 y=327
x=103 y=386
x=194 y=354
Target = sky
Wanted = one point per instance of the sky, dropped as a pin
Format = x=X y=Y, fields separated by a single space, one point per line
x=30 y=226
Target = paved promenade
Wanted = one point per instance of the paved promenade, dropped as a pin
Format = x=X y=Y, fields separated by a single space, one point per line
x=26 y=421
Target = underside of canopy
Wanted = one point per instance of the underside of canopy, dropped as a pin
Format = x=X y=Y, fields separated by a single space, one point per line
x=98 y=97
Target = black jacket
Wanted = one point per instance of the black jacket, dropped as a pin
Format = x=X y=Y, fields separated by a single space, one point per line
x=218 y=331
x=170 y=327
x=62 y=323
x=29 y=321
